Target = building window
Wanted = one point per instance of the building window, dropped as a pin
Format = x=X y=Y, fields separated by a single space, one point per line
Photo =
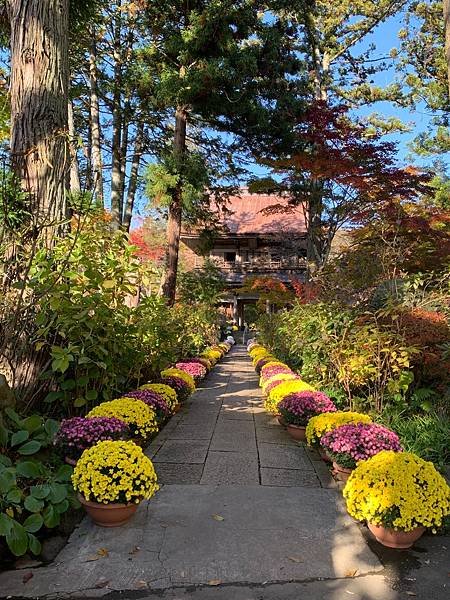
x=230 y=257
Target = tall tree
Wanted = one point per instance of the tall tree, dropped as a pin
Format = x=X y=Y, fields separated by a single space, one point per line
x=39 y=101
x=446 y=8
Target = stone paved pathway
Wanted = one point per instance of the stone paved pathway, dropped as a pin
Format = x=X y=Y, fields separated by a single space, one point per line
x=223 y=436
x=243 y=513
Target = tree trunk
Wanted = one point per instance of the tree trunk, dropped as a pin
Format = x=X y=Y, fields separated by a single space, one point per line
x=123 y=158
x=168 y=285
x=39 y=96
x=446 y=6
x=75 y=185
x=95 y=131
x=134 y=172
x=116 y=150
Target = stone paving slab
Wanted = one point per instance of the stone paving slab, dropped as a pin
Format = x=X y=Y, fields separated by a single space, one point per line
x=176 y=473
x=289 y=477
x=230 y=468
x=284 y=457
x=267 y=534
x=234 y=435
x=274 y=435
x=182 y=451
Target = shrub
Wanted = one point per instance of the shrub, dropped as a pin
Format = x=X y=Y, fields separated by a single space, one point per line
x=298 y=408
x=79 y=433
x=397 y=490
x=320 y=424
x=35 y=488
x=115 y=472
x=140 y=418
x=348 y=444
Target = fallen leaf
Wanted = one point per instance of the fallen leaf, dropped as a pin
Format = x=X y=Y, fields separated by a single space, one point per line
x=92 y=558
x=135 y=550
x=295 y=559
x=214 y=582
x=101 y=583
x=218 y=518
x=27 y=576
x=410 y=594
x=141 y=584
x=350 y=573
x=349 y=592
x=103 y=552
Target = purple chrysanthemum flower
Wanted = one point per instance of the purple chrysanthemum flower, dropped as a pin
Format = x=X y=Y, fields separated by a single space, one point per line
x=152 y=399
x=297 y=408
x=353 y=442
x=179 y=385
x=78 y=433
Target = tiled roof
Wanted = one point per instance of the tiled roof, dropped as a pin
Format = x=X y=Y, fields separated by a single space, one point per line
x=245 y=214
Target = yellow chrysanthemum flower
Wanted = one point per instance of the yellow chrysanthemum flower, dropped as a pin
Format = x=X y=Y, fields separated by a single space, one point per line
x=168 y=394
x=280 y=377
x=282 y=390
x=320 y=424
x=140 y=418
x=398 y=490
x=115 y=471
x=188 y=379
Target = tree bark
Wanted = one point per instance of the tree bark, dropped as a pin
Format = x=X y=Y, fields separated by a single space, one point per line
x=39 y=95
x=116 y=150
x=446 y=8
x=95 y=131
x=75 y=185
x=169 y=282
x=134 y=172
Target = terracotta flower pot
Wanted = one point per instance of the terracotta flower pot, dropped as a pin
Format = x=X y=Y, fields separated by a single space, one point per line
x=342 y=473
x=108 y=515
x=177 y=407
x=297 y=432
x=396 y=539
x=70 y=461
x=281 y=421
x=323 y=455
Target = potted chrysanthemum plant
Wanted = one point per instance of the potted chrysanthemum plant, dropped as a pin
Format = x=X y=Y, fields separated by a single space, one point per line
x=111 y=479
x=298 y=408
x=350 y=443
x=79 y=433
x=399 y=495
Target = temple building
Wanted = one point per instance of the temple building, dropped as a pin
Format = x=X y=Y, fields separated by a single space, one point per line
x=260 y=235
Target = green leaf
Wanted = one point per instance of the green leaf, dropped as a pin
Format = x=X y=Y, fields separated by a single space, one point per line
x=17 y=539
x=7 y=481
x=109 y=284
x=13 y=416
x=14 y=496
x=79 y=402
x=32 y=423
x=5 y=460
x=58 y=493
x=33 y=523
x=83 y=380
x=3 y=435
x=30 y=448
x=53 y=396
x=91 y=394
x=64 y=473
x=51 y=516
x=69 y=384
x=83 y=360
x=19 y=437
x=40 y=492
x=5 y=524
x=62 y=507
x=34 y=544
x=33 y=504
x=28 y=468
x=51 y=427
